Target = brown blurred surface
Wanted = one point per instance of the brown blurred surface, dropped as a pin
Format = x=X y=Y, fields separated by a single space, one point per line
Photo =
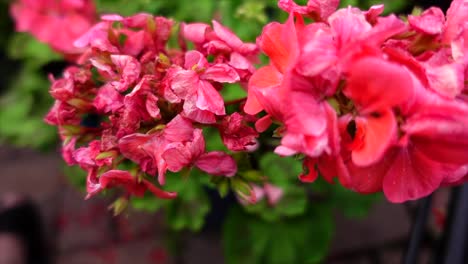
x=84 y=232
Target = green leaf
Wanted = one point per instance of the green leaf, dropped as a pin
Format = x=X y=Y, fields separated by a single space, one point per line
x=189 y=209
x=352 y=204
x=293 y=203
x=280 y=170
x=147 y=203
x=76 y=176
x=232 y=92
x=302 y=239
x=25 y=46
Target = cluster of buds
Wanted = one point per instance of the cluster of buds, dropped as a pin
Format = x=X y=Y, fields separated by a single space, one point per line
x=132 y=109
x=379 y=102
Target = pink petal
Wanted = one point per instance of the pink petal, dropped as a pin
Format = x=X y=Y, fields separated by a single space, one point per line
x=221 y=73
x=412 y=176
x=85 y=156
x=158 y=192
x=184 y=83
x=92 y=184
x=456 y=16
x=133 y=148
x=177 y=156
x=279 y=43
x=263 y=123
x=319 y=50
x=108 y=99
x=319 y=9
x=217 y=163
x=114 y=178
x=62 y=89
x=373 y=13
x=347 y=25
x=304 y=114
x=265 y=81
x=447 y=80
x=129 y=68
x=273 y=193
x=208 y=98
x=179 y=129
x=68 y=147
x=192 y=112
x=195 y=32
x=441 y=136
x=368 y=84
x=152 y=106
x=240 y=62
x=231 y=39
x=431 y=21
x=195 y=59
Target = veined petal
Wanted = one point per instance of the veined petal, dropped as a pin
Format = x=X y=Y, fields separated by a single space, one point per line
x=221 y=73
x=208 y=98
x=184 y=83
x=412 y=176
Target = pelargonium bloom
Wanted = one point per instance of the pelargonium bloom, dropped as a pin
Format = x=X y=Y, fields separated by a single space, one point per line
x=194 y=85
x=132 y=109
x=55 y=22
x=224 y=45
x=375 y=102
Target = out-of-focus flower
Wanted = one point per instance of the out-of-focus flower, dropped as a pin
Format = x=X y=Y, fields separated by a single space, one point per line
x=55 y=22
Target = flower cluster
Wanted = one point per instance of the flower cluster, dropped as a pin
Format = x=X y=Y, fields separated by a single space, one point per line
x=57 y=23
x=133 y=109
x=378 y=102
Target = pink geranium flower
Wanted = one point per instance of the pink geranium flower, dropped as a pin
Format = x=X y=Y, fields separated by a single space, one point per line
x=174 y=147
x=224 y=45
x=55 y=22
x=202 y=102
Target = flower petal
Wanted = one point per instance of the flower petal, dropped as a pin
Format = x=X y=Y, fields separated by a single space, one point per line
x=217 y=163
x=375 y=84
x=379 y=132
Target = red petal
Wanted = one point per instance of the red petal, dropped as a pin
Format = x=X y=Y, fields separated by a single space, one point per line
x=379 y=133
x=412 y=176
x=279 y=42
x=265 y=80
x=375 y=84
